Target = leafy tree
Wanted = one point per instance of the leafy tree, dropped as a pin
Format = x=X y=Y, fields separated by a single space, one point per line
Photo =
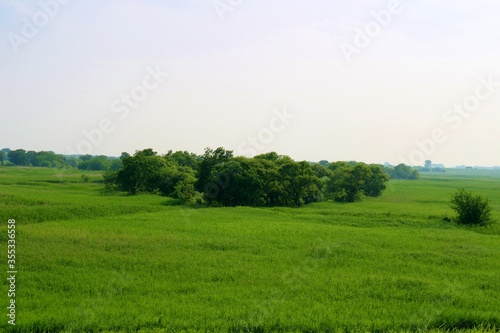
x=18 y=157
x=71 y=161
x=325 y=176
x=96 y=163
x=2 y=157
x=184 y=158
x=345 y=186
x=299 y=183
x=272 y=156
x=321 y=170
x=153 y=172
x=85 y=157
x=110 y=179
x=267 y=169
x=124 y=155
x=48 y=159
x=30 y=158
x=186 y=191
x=168 y=177
x=471 y=209
x=349 y=182
x=206 y=169
x=141 y=172
x=130 y=177
x=374 y=185
x=245 y=186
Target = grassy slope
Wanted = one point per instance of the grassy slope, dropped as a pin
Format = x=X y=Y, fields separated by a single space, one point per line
x=134 y=263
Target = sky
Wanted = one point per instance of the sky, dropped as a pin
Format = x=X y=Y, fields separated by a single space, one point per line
x=398 y=81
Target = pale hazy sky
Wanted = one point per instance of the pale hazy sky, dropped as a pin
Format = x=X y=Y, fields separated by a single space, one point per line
x=420 y=76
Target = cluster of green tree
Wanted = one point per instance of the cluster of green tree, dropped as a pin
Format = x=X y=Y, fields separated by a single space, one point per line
x=98 y=163
x=219 y=178
x=21 y=157
x=49 y=159
x=402 y=171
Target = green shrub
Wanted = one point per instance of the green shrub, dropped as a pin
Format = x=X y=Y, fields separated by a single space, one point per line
x=471 y=209
x=85 y=178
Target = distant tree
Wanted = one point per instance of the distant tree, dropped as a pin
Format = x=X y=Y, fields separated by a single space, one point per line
x=321 y=170
x=219 y=179
x=18 y=157
x=48 y=159
x=169 y=174
x=110 y=179
x=71 y=161
x=402 y=171
x=85 y=157
x=186 y=191
x=207 y=170
x=115 y=164
x=374 y=184
x=131 y=176
x=348 y=181
x=267 y=168
x=325 y=176
x=471 y=210
x=428 y=164
x=124 y=155
x=95 y=163
x=2 y=157
x=299 y=183
x=30 y=158
x=245 y=182
x=184 y=158
x=141 y=172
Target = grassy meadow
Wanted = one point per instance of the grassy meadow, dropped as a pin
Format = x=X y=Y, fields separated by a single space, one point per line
x=91 y=260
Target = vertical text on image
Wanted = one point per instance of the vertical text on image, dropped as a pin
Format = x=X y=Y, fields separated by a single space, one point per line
x=11 y=271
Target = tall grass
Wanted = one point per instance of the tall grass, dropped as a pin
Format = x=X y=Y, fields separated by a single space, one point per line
x=137 y=264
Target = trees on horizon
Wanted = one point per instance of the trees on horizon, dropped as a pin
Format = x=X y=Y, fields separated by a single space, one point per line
x=218 y=178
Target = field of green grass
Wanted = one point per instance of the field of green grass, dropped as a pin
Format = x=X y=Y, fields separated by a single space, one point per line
x=90 y=260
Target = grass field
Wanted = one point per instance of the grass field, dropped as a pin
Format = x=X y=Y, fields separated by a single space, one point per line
x=89 y=260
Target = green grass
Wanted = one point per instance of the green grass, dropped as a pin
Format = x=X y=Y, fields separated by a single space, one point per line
x=95 y=261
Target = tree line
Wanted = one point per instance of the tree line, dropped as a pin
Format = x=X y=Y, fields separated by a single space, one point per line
x=49 y=159
x=218 y=178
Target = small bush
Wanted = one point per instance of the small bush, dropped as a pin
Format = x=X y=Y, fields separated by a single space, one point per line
x=109 y=180
x=85 y=178
x=471 y=209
